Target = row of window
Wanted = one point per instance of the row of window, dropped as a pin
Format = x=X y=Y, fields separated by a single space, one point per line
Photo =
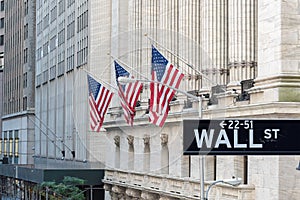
x=9 y=145
x=63 y=65
x=12 y=106
x=53 y=13
x=82 y=21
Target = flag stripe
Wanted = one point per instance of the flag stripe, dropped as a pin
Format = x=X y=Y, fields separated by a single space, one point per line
x=128 y=94
x=98 y=104
x=162 y=94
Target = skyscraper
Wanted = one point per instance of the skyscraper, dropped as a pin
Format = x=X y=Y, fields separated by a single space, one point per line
x=18 y=81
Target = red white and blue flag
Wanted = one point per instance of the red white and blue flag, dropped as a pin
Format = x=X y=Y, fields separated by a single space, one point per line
x=99 y=100
x=163 y=74
x=128 y=93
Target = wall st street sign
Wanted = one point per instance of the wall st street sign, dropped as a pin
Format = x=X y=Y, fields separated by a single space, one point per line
x=241 y=137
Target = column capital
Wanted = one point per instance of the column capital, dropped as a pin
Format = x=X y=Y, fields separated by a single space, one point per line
x=130 y=139
x=117 y=140
x=146 y=139
x=164 y=138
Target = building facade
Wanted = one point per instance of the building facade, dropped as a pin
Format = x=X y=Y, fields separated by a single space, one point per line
x=68 y=38
x=242 y=58
x=17 y=138
x=2 y=15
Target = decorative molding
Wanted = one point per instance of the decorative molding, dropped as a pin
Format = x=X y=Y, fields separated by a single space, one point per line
x=146 y=140
x=130 y=140
x=117 y=140
x=242 y=64
x=133 y=193
x=164 y=139
x=155 y=186
x=118 y=189
x=149 y=196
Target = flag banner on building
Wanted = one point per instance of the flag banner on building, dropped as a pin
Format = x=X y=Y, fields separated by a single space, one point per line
x=164 y=77
x=128 y=93
x=99 y=100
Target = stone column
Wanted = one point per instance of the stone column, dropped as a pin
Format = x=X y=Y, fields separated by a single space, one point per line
x=164 y=154
x=278 y=50
x=214 y=42
x=146 y=153
x=130 y=140
x=242 y=41
x=117 y=153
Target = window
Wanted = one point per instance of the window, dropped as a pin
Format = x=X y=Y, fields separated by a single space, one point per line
x=45 y=76
x=1 y=40
x=39 y=28
x=61 y=37
x=24 y=103
x=26 y=7
x=61 y=64
x=46 y=21
x=61 y=7
x=38 y=80
x=52 y=73
x=39 y=53
x=45 y=49
x=5 y=143
x=1 y=143
x=53 y=13
x=70 y=2
x=2 y=6
x=82 y=21
x=16 y=146
x=25 y=55
x=71 y=30
x=1 y=60
x=10 y=144
x=25 y=80
x=2 y=23
x=71 y=25
x=70 y=58
x=82 y=53
x=61 y=68
x=53 y=43
x=26 y=31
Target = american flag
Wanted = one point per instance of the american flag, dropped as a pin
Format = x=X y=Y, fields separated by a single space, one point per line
x=99 y=100
x=160 y=94
x=128 y=93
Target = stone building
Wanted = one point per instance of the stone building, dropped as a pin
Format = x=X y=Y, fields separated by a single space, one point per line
x=242 y=57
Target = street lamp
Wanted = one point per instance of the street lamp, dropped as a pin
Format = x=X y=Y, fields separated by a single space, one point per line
x=232 y=182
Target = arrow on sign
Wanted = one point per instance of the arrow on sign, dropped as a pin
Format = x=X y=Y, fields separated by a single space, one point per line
x=222 y=124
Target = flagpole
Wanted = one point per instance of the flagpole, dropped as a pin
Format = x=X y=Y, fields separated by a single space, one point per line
x=179 y=57
x=112 y=86
x=202 y=165
x=105 y=82
x=127 y=66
